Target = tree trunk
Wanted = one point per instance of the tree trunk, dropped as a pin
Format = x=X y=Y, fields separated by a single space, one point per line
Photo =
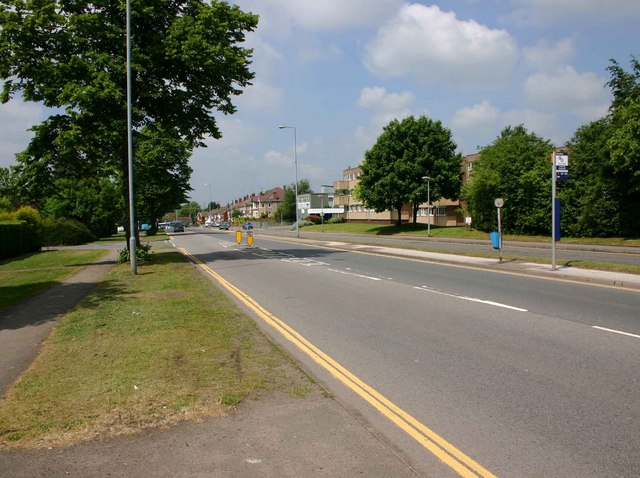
x=415 y=213
x=399 y=220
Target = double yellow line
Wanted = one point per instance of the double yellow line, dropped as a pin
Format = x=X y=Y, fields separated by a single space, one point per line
x=445 y=451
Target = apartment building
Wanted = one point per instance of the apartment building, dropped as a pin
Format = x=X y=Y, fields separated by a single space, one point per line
x=443 y=212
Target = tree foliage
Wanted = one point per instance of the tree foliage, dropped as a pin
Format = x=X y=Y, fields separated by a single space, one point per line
x=515 y=167
x=187 y=63
x=407 y=150
x=287 y=209
x=605 y=156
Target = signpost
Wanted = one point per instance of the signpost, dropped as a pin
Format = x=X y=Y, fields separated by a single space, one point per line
x=559 y=172
x=499 y=202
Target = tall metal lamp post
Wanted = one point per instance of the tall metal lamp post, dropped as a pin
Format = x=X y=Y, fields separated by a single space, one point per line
x=132 y=219
x=428 y=205
x=295 y=162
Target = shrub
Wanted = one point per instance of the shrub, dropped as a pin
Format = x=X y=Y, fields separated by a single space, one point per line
x=336 y=220
x=65 y=232
x=302 y=223
x=143 y=254
x=314 y=218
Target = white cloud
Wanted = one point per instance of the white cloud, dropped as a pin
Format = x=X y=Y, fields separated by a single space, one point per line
x=385 y=108
x=277 y=159
x=479 y=116
x=545 y=56
x=377 y=98
x=435 y=47
x=546 y=11
x=569 y=91
x=326 y=14
x=481 y=123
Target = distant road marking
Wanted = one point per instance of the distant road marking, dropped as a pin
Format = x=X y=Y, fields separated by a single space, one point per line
x=472 y=299
x=354 y=274
x=616 y=331
x=462 y=464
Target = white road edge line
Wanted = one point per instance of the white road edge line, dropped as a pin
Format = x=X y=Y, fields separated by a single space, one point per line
x=354 y=274
x=473 y=299
x=615 y=331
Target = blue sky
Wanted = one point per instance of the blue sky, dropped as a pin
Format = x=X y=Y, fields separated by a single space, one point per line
x=339 y=70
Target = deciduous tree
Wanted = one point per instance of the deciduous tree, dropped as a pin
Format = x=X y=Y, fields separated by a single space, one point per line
x=407 y=150
x=187 y=64
x=515 y=167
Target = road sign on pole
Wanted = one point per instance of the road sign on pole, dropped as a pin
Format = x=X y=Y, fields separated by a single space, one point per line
x=559 y=171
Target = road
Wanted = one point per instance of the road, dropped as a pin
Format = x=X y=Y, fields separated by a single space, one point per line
x=576 y=253
x=521 y=376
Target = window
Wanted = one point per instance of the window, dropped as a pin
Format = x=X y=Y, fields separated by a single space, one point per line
x=441 y=211
x=469 y=166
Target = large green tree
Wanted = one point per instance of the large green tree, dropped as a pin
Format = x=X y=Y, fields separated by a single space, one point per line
x=602 y=196
x=403 y=154
x=515 y=167
x=187 y=63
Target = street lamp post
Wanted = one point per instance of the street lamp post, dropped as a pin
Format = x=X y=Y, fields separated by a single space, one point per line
x=132 y=221
x=295 y=162
x=428 y=205
x=209 y=216
x=322 y=213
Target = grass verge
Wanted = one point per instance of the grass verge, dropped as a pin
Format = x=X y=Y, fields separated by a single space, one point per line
x=25 y=276
x=142 y=351
x=459 y=232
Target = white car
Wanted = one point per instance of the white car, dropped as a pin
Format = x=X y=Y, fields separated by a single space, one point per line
x=208 y=223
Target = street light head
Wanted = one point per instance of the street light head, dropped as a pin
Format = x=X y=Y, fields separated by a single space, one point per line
x=426 y=177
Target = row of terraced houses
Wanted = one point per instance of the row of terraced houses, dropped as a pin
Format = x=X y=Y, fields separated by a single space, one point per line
x=339 y=199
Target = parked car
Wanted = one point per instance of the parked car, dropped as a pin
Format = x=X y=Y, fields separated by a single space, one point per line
x=247 y=225
x=175 y=226
x=224 y=226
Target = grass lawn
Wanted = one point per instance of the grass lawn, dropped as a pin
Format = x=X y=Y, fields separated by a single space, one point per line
x=25 y=276
x=143 y=351
x=460 y=232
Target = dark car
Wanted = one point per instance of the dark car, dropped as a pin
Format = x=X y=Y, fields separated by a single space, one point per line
x=224 y=226
x=247 y=225
x=175 y=226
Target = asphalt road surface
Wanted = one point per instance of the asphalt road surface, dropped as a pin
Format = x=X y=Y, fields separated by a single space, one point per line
x=576 y=253
x=464 y=370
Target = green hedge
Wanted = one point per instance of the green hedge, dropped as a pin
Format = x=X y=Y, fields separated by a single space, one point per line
x=64 y=232
x=17 y=238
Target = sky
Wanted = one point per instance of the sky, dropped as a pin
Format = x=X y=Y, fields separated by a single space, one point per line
x=340 y=70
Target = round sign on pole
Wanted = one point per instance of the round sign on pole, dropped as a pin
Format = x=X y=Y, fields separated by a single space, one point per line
x=498 y=202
